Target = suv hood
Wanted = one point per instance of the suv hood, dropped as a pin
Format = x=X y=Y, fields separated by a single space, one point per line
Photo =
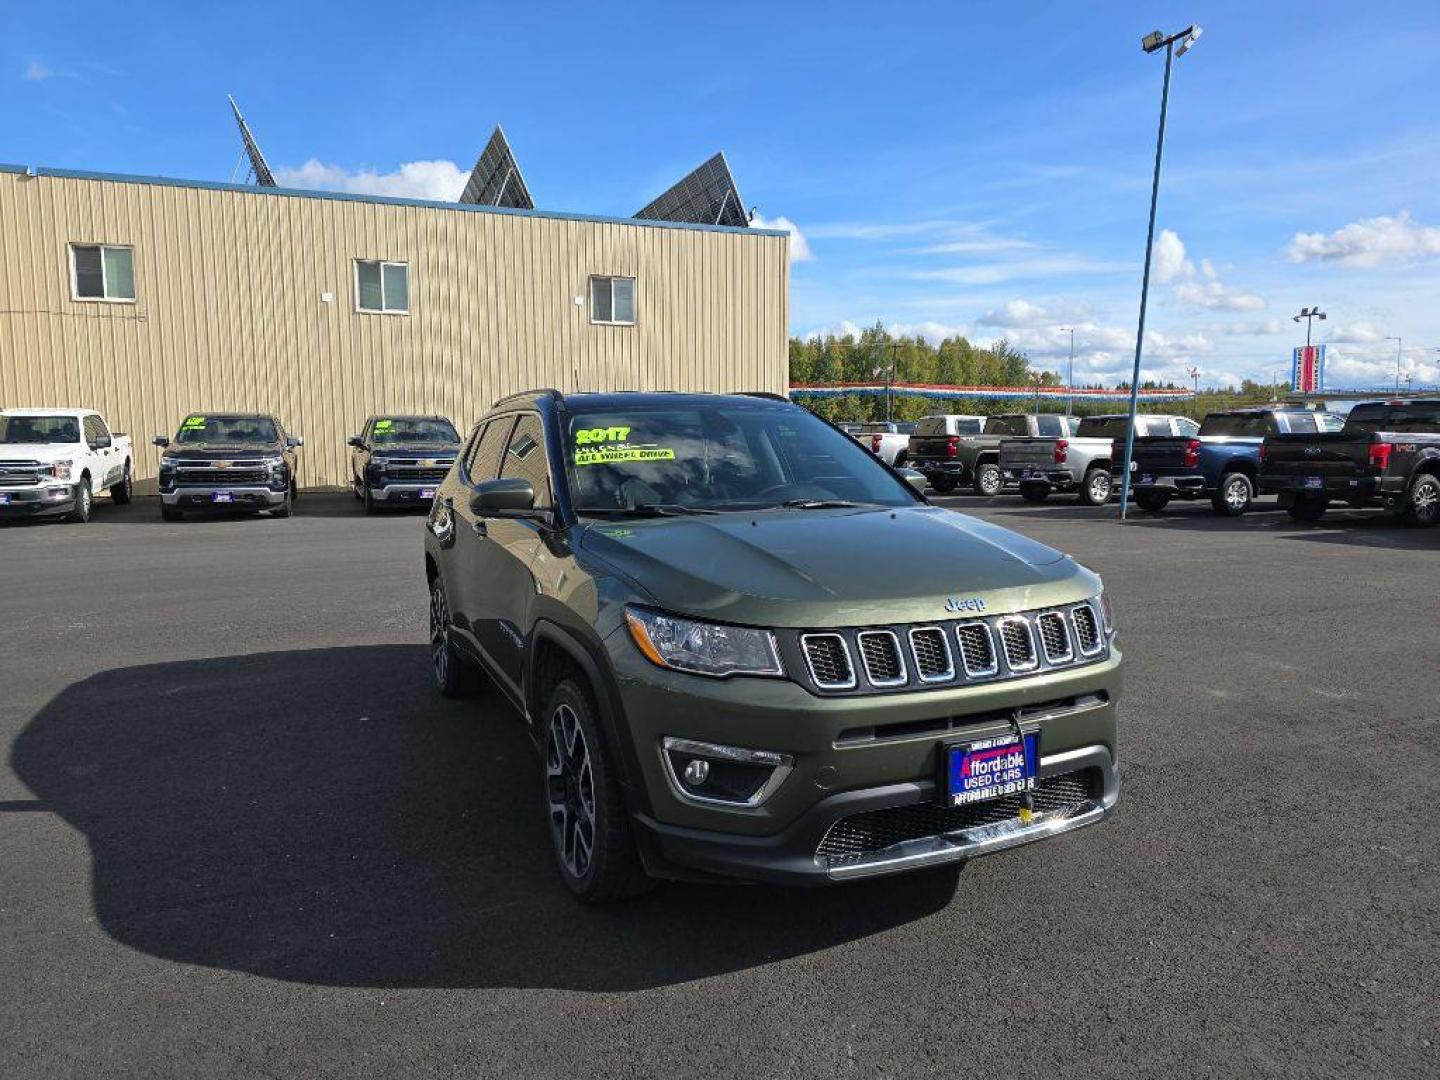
x=809 y=568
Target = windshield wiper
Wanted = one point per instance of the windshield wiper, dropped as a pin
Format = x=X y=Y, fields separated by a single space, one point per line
x=819 y=504
x=648 y=510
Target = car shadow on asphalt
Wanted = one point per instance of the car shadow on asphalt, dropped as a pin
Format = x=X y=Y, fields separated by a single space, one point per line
x=324 y=817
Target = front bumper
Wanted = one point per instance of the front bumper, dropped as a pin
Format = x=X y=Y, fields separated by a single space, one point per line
x=849 y=755
x=412 y=494
x=37 y=501
x=242 y=498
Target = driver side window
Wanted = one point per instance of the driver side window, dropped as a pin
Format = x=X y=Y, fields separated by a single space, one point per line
x=484 y=460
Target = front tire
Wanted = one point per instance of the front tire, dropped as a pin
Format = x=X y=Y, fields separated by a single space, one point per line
x=1308 y=508
x=287 y=508
x=1422 y=508
x=454 y=675
x=1034 y=493
x=988 y=479
x=589 y=826
x=120 y=493
x=1234 y=496
x=1096 y=487
x=369 y=500
x=84 y=500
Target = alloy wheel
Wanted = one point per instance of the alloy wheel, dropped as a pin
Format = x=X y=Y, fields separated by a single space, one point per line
x=1237 y=494
x=1100 y=488
x=990 y=481
x=1425 y=502
x=439 y=633
x=570 y=790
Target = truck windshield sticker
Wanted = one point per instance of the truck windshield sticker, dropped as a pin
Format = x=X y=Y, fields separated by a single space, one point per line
x=384 y=425
x=193 y=423
x=602 y=445
x=591 y=436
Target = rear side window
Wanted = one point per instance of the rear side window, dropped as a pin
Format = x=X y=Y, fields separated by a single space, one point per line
x=931 y=425
x=525 y=457
x=1052 y=426
x=484 y=460
x=1254 y=424
x=1006 y=425
x=968 y=426
x=1097 y=428
x=1302 y=423
x=1418 y=419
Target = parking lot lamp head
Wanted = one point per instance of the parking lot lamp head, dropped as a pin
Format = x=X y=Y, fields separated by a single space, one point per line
x=1151 y=42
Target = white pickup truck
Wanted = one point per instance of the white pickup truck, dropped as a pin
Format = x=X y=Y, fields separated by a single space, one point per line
x=888 y=441
x=53 y=461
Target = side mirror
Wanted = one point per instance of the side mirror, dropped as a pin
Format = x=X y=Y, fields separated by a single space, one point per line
x=293 y=441
x=355 y=441
x=161 y=441
x=102 y=442
x=510 y=496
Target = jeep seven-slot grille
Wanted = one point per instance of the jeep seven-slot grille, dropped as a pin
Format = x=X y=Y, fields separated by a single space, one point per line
x=880 y=659
x=932 y=654
x=1087 y=630
x=853 y=838
x=829 y=661
x=880 y=650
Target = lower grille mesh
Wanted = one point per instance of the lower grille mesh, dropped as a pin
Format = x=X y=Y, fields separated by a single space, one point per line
x=829 y=662
x=851 y=839
x=1086 y=628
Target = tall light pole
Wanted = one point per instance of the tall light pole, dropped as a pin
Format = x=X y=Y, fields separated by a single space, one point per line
x=1070 y=371
x=1399 y=353
x=1194 y=373
x=1309 y=314
x=1152 y=42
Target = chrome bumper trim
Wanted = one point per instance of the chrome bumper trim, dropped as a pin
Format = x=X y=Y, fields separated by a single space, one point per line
x=985 y=839
x=382 y=494
x=272 y=497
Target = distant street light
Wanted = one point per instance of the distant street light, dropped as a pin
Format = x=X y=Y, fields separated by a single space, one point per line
x=1399 y=353
x=1070 y=371
x=1152 y=42
x=1194 y=373
x=1309 y=314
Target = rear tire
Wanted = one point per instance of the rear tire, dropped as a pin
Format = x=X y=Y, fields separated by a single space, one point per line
x=84 y=500
x=120 y=493
x=1096 y=487
x=1034 y=493
x=589 y=824
x=1422 y=507
x=455 y=676
x=1234 y=496
x=943 y=484
x=988 y=479
x=1152 y=502
x=1308 y=508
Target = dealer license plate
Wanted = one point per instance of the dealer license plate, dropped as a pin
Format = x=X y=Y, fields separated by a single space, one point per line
x=1028 y=474
x=1314 y=481
x=221 y=497
x=4 y=499
x=427 y=493
x=992 y=768
x=1147 y=478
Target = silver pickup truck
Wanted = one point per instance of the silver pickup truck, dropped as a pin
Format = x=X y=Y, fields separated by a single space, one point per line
x=955 y=450
x=1081 y=462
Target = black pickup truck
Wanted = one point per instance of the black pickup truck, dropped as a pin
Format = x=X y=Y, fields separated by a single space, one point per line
x=1387 y=454
x=400 y=460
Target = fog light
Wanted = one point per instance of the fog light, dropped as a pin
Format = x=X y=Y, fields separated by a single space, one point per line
x=731 y=775
x=697 y=771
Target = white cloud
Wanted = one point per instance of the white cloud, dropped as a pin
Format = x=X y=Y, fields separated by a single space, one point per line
x=1368 y=242
x=1016 y=313
x=1364 y=368
x=1257 y=328
x=36 y=71
x=1358 y=333
x=933 y=332
x=799 y=249
x=1168 y=260
x=1216 y=296
x=1041 y=267
x=442 y=181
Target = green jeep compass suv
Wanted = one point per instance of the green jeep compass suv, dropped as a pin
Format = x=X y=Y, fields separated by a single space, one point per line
x=746 y=649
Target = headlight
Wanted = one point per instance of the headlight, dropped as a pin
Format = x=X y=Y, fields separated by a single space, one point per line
x=380 y=462
x=273 y=462
x=702 y=648
x=60 y=470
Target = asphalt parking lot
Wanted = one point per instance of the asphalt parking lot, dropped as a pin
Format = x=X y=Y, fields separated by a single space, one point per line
x=241 y=836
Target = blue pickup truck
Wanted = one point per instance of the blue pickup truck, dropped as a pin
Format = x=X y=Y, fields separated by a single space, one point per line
x=1220 y=463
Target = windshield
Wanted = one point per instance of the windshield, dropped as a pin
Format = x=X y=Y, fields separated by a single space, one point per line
x=39 y=429
x=722 y=456
x=1405 y=419
x=393 y=430
x=1254 y=424
x=242 y=430
x=1114 y=426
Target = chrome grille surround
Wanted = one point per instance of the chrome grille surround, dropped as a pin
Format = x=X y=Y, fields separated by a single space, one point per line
x=830 y=675
x=1055 y=637
x=874 y=644
x=939 y=639
x=1017 y=642
x=971 y=636
x=1087 y=629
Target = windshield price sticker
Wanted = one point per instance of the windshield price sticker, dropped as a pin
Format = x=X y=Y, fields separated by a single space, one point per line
x=383 y=425
x=193 y=423
x=601 y=445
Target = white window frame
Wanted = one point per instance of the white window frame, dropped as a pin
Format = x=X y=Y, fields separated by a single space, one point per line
x=104 y=279
x=634 y=294
x=382 y=263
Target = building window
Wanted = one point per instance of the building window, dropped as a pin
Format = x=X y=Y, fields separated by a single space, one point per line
x=102 y=272
x=382 y=287
x=612 y=300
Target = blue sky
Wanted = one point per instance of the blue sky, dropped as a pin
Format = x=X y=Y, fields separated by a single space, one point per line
x=973 y=168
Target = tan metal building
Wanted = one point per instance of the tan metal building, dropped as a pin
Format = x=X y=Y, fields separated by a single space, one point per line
x=150 y=298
